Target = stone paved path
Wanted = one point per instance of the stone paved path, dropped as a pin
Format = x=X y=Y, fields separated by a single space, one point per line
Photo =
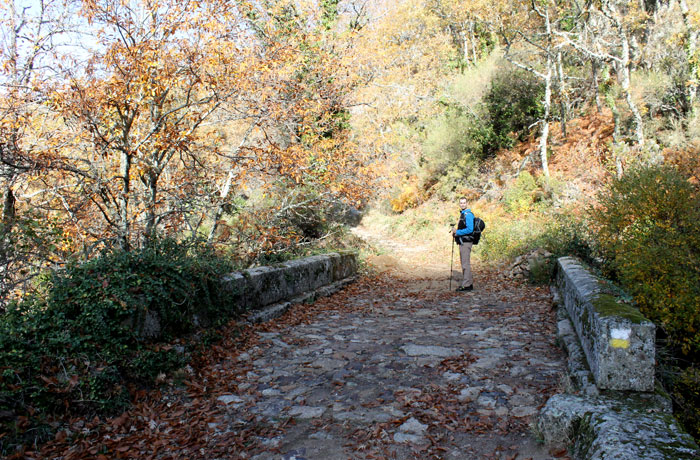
x=393 y=366
x=404 y=369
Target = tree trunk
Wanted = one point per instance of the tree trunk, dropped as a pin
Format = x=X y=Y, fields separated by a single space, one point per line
x=8 y=219
x=226 y=189
x=562 y=94
x=472 y=37
x=596 y=87
x=123 y=229
x=544 y=130
x=152 y=197
x=465 y=48
x=8 y=210
x=220 y=209
x=547 y=103
x=616 y=133
x=623 y=73
x=691 y=48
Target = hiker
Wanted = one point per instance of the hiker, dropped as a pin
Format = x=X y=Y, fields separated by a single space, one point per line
x=462 y=235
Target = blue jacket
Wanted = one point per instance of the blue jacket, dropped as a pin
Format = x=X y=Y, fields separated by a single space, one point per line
x=468 y=217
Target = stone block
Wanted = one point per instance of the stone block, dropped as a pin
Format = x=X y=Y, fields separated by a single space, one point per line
x=236 y=284
x=258 y=287
x=320 y=271
x=266 y=285
x=297 y=273
x=579 y=373
x=617 y=340
x=344 y=264
x=622 y=428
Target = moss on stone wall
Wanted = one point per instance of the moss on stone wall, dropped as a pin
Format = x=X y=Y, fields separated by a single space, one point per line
x=608 y=305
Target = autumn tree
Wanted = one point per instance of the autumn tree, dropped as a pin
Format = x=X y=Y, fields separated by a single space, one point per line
x=30 y=37
x=158 y=71
x=401 y=59
x=468 y=24
x=302 y=144
x=183 y=105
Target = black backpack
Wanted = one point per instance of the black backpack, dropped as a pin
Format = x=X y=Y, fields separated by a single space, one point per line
x=475 y=236
x=479 y=226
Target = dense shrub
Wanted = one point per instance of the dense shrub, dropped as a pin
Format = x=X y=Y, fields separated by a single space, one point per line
x=455 y=134
x=648 y=230
x=28 y=244
x=563 y=234
x=409 y=197
x=685 y=390
x=514 y=103
x=507 y=237
x=452 y=145
x=73 y=347
x=461 y=175
x=567 y=235
x=470 y=131
x=283 y=223
x=520 y=196
x=541 y=271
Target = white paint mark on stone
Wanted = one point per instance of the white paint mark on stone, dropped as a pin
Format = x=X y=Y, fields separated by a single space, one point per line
x=621 y=334
x=619 y=338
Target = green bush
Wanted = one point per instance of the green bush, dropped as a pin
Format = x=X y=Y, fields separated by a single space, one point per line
x=514 y=103
x=562 y=234
x=459 y=175
x=453 y=140
x=73 y=347
x=566 y=235
x=506 y=238
x=686 y=397
x=474 y=130
x=519 y=197
x=648 y=232
x=542 y=271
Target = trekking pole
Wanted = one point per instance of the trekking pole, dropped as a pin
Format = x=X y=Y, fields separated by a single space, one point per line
x=451 y=259
x=452 y=256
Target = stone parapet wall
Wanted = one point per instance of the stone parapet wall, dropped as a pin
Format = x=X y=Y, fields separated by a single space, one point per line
x=614 y=427
x=257 y=287
x=287 y=283
x=593 y=421
x=617 y=340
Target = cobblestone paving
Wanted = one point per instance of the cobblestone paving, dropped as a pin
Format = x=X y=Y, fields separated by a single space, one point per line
x=404 y=370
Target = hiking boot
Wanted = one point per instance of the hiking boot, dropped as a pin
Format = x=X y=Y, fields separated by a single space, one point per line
x=465 y=288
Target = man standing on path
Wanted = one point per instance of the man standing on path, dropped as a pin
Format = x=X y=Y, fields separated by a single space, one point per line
x=462 y=235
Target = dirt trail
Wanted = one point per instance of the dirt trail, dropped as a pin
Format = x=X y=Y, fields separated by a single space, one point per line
x=394 y=366
x=408 y=260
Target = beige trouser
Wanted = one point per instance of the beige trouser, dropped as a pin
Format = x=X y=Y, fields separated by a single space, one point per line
x=465 y=252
